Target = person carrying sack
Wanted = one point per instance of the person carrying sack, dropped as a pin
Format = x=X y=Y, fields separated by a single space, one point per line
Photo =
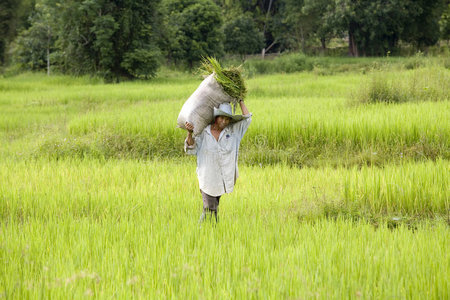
x=217 y=149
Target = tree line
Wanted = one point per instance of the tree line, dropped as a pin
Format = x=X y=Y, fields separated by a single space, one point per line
x=132 y=38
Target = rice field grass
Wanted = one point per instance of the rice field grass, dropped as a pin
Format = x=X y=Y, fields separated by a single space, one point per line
x=337 y=198
x=302 y=119
x=125 y=228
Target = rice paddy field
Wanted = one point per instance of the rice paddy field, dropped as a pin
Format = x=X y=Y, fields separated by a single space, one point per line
x=343 y=190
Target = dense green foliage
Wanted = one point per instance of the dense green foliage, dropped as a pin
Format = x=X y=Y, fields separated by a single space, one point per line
x=34 y=44
x=445 y=23
x=130 y=39
x=107 y=38
x=422 y=24
x=14 y=16
x=242 y=36
x=195 y=30
x=7 y=9
x=308 y=20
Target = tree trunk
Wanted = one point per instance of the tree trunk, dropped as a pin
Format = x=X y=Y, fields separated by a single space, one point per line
x=302 y=40
x=48 y=54
x=324 y=43
x=352 y=47
x=267 y=16
x=263 y=52
x=48 y=61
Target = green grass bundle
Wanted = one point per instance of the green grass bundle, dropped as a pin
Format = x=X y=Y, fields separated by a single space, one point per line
x=230 y=79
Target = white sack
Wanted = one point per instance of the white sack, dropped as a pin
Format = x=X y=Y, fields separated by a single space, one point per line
x=199 y=108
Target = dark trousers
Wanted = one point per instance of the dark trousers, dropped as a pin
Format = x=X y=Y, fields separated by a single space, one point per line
x=209 y=202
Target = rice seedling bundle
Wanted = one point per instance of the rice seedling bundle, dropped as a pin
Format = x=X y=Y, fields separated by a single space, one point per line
x=221 y=86
x=230 y=79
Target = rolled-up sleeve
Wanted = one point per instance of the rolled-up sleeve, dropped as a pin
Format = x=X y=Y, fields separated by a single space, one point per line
x=192 y=150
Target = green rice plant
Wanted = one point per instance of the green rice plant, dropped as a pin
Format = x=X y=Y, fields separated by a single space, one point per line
x=94 y=228
x=327 y=65
x=382 y=91
x=424 y=84
x=301 y=131
x=409 y=190
x=300 y=119
x=309 y=130
x=36 y=90
x=230 y=78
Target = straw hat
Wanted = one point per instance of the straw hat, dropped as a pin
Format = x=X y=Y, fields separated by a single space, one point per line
x=225 y=110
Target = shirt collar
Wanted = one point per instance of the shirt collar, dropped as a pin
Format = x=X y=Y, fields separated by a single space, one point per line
x=208 y=130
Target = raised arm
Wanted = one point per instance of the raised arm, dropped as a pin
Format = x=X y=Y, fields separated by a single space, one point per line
x=243 y=108
x=189 y=139
x=241 y=126
x=191 y=144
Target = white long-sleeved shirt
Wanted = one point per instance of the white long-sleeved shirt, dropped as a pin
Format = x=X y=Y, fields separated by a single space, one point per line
x=217 y=168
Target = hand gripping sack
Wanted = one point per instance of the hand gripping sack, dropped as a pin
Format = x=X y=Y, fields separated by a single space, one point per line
x=199 y=107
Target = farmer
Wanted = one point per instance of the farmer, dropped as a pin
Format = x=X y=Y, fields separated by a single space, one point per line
x=217 y=150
